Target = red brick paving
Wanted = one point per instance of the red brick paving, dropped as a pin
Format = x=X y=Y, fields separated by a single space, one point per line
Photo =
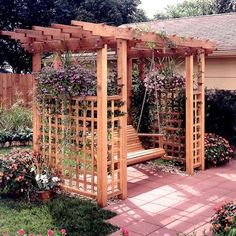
x=166 y=204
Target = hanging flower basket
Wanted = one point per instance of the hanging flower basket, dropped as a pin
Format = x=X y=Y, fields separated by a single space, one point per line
x=158 y=81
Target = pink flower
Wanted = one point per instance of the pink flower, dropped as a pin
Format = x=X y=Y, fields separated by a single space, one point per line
x=63 y=231
x=124 y=231
x=50 y=232
x=30 y=235
x=20 y=232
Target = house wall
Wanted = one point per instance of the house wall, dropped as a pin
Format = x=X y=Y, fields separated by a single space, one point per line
x=221 y=73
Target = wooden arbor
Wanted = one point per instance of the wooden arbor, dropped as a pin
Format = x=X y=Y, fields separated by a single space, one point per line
x=100 y=170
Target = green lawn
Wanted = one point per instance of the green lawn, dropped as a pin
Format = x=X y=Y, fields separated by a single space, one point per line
x=77 y=216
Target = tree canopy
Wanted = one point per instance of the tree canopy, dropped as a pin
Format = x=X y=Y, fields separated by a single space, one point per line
x=197 y=8
x=25 y=14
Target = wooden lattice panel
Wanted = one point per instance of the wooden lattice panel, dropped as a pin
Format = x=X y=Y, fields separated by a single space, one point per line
x=195 y=113
x=68 y=141
x=196 y=129
x=114 y=151
x=171 y=120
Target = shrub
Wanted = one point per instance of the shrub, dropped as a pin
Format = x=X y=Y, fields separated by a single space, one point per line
x=15 y=118
x=17 y=178
x=15 y=124
x=224 y=220
x=22 y=136
x=217 y=150
x=221 y=114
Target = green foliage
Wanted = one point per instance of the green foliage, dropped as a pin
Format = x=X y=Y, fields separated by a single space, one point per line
x=25 y=14
x=197 y=8
x=136 y=103
x=225 y=6
x=15 y=124
x=188 y=8
x=15 y=118
x=217 y=150
x=77 y=211
x=112 y=12
x=221 y=114
x=79 y=217
x=7 y=150
x=22 y=136
x=224 y=220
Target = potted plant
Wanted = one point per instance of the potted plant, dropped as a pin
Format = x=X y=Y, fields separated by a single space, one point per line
x=45 y=179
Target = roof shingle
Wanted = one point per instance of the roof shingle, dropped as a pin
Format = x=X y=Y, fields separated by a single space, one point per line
x=220 y=28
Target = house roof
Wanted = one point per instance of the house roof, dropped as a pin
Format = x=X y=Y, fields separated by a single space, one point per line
x=220 y=28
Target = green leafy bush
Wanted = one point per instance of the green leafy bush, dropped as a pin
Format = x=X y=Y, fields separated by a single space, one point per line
x=17 y=177
x=22 y=136
x=15 y=118
x=221 y=114
x=217 y=150
x=224 y=220
x=15 y=124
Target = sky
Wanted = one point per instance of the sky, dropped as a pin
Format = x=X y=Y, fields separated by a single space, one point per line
x=152 y=6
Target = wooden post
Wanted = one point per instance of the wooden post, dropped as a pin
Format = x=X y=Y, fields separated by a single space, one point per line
x=201 y=70
x=36 y=67
x=129 y=86
x=189 y=114
x=122 y=73
x=102 y=126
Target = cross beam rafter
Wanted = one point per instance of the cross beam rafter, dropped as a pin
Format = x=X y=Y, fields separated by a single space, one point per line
x=89 y=36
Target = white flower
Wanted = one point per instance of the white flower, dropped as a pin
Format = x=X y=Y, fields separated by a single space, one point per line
x=37 y=177
x=55 y=179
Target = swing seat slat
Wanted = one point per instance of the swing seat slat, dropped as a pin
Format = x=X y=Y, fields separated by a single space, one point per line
x=135 y=151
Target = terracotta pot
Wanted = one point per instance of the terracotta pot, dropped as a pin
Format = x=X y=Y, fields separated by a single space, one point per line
x=44 y=196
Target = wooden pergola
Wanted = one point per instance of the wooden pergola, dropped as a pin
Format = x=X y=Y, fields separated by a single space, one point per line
x=128 y=44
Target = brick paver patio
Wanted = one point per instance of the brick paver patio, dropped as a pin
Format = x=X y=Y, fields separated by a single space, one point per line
x=165 y=204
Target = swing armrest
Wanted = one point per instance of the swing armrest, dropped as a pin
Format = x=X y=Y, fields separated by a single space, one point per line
x=160 y=136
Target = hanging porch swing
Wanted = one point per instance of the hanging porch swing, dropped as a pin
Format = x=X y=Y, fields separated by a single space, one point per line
x=136 y=153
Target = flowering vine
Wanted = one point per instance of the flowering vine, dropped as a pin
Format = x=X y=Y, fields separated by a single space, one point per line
x=157 y=80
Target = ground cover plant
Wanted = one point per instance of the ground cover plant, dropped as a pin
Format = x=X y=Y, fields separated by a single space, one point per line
x=76 y=216
x=224 y=220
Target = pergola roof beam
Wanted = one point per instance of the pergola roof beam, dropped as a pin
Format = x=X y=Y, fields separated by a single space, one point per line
x=89 y=36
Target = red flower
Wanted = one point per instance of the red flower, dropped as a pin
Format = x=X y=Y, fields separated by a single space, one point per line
x=124 y=231
x=63 y=231
x=50 y=232
x=20 y=232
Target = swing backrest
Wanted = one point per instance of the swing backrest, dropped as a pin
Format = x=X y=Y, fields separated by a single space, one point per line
x=133 y=141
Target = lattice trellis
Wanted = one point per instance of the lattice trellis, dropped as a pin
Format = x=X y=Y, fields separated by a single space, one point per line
x=114 y=150
x=172 y=123
x=68 y=140
x=195 y=113
x=196 y=129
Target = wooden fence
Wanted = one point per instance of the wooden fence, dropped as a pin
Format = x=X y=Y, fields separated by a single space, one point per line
x=14 y=87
